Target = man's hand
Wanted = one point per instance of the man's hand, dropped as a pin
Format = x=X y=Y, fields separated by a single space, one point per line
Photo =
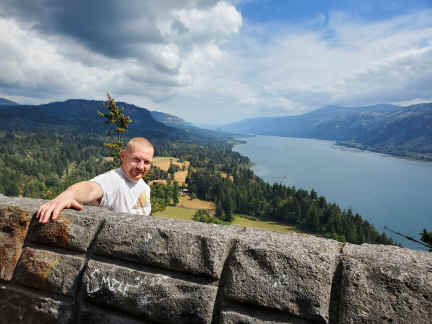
x=84 y=191
x=53 y=208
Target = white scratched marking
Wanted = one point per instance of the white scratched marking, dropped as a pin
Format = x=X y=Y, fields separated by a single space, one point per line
x=147 y=238
x=97 y=281
x=93 y=282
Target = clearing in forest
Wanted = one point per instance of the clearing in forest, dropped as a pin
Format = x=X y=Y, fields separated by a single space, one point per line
x=164 y=162
x=196 y=203
x=187 y=214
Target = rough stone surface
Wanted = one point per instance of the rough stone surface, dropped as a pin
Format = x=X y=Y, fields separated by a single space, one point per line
x=49 y=271
x=71 y=231
x=29 y=204
x=94 y=315
x=14 y=223
x=291 y=273
x=180 y=246
x=167 y=271
x=233 y=317
x=21 y=306
x=153 y=296
x=382 y=284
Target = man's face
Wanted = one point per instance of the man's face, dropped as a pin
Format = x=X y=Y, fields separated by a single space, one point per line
x=136 y=161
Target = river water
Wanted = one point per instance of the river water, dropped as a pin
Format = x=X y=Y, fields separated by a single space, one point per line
x=385 y=190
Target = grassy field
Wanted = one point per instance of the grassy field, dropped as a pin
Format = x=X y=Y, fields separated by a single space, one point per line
x=176 y=212
x=187 y=214
x=240 y=220
x=195 y=204
x=163 y=163
x=188 y=207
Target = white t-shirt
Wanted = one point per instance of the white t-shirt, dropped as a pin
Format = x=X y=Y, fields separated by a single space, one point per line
x=121 y=194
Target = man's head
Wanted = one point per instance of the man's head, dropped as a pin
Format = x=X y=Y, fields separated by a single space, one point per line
x=136 y=158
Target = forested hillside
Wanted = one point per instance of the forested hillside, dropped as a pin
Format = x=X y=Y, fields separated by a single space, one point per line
x=80 y=117
x=248 y=194
x=44 y=149
x=42 y=164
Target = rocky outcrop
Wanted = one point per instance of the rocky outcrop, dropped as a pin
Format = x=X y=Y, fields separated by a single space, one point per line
x=101 y=267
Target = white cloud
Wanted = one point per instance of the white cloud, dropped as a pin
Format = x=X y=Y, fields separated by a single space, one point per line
x=269 y=70
x=216 y=23
x=201 y=60
x=43 y=58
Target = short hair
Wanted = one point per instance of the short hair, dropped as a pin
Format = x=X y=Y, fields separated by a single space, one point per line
x=140 y=141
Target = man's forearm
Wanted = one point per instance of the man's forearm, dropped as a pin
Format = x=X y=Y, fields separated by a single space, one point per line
x=85 y=191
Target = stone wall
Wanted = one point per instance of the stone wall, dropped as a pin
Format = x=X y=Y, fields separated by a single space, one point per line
x=96 y=266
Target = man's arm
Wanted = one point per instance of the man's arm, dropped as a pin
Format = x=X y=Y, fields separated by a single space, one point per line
x=84 y=192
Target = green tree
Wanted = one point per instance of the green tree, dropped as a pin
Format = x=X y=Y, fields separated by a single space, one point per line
x=117 y=123
x=227 y=205
x=427 y=238
x=175 y=193
x=219 y=213
x=157 y=198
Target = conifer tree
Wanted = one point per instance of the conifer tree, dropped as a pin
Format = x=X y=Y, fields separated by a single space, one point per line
x=117 y=123
x=220 y=213
x=427 y=238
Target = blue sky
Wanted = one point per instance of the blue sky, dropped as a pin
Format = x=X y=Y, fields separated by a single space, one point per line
x=296 y=11
x=213 y=61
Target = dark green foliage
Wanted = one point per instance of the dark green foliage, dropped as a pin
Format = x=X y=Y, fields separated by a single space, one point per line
x=158 y=197
x=164 y=195
x=117 y=123
x=43 y=164
x=427 y=238
x=203 y=216
x=175 y=193
x=248 y=194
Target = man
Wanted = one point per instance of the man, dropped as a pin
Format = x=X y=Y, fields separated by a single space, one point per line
x=121 y=190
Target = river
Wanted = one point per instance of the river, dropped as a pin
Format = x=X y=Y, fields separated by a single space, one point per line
x=385 y=190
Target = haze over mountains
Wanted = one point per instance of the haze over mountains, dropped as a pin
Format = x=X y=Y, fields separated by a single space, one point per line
x=79 y=115
x=403 y=131
x=6 y=102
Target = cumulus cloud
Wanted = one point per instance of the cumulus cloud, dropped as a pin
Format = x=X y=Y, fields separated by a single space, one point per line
x=201 y=60
x=76 y=48
x=294 y=69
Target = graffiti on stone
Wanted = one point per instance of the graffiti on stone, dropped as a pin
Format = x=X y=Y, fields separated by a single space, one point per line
x=98 y=280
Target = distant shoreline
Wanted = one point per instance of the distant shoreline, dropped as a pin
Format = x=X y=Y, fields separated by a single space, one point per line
x=411 y=156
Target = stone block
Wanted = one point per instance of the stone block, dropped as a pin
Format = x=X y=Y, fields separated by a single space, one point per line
x=183 y=246
x=49 y=271
x=14 y=224
x=96 y=315
x=21 y=306
x=72 y=231
x=154 y=297
x=385 y=284
x=233 y=317
x=291 y=272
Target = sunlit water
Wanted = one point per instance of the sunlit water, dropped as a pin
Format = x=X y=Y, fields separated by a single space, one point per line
x=385 y=190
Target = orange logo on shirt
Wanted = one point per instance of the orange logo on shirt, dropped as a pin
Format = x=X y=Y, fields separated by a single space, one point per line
x=142 y=201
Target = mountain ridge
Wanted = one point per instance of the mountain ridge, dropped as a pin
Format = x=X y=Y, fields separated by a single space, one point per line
x=7 y=102
x=80 y=116
x=402 y=131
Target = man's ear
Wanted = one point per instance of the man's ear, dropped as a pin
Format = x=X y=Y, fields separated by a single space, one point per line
x=122 y=154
